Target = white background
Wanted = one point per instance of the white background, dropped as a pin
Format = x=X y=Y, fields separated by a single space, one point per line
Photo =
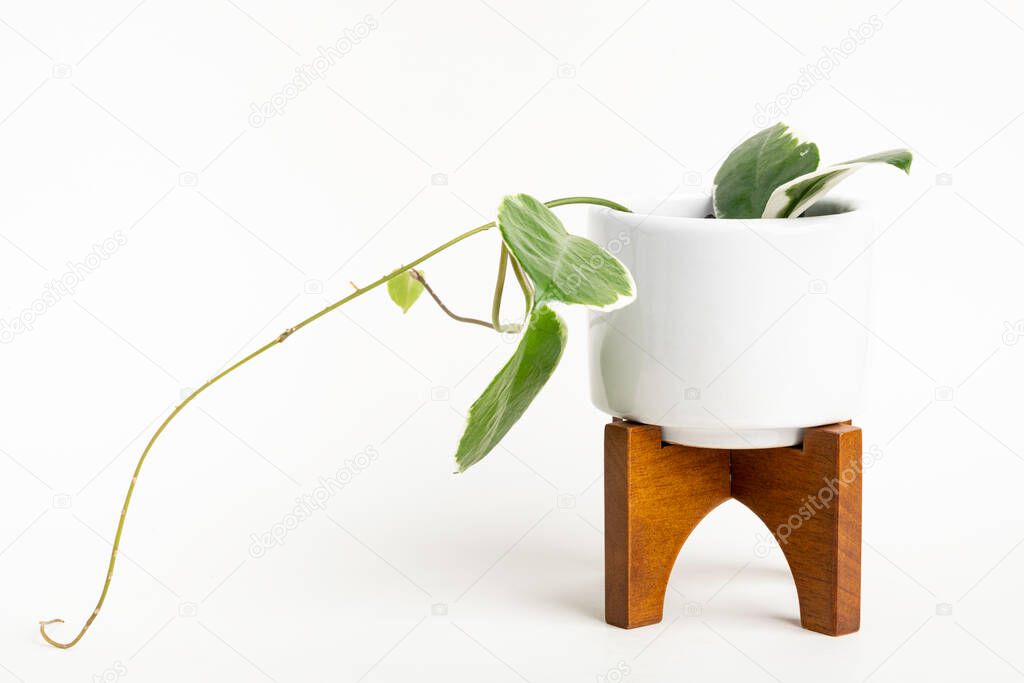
x=132 y=120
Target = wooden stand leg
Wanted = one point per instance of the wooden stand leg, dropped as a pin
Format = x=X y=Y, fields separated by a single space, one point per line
x=654 y=497
x=809 y=497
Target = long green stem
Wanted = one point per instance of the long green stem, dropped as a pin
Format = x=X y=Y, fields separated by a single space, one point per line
x=596 y=201
x=499 y=288
x=258 y=352
x=524 y=284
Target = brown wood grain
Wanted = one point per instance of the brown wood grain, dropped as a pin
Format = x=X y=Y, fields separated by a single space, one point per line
x=809 y=497
x=654 y=497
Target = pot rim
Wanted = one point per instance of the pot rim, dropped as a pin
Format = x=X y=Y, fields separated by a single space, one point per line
x=670 y=215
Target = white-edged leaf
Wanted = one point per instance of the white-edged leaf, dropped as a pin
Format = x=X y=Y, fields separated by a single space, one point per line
x=404 y=289
x=515 y=386
x=562 y=267
x=756 y=167
x=793 y=198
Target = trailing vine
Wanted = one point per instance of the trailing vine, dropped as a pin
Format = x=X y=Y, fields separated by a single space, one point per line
x=495 y=324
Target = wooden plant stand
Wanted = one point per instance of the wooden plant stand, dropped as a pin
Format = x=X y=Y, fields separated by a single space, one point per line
x=808 y=496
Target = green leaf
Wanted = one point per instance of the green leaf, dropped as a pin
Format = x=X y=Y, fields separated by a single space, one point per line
x=756 y=167
x=404 y=289
x=793 y=198
x=562 y=267
x=514 y=387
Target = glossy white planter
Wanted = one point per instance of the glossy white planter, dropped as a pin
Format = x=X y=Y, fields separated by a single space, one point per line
x=743 y=333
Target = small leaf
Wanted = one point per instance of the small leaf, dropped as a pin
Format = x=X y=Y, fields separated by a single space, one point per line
x=793 y=198
x=756 y=167
x=515 y=386
x=404 y=289
x=563 y=267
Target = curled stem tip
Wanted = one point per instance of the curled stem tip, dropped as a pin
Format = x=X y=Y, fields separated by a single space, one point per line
x=51 y=641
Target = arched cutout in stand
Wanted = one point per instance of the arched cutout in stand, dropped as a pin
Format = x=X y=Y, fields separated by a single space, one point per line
x=808 y=496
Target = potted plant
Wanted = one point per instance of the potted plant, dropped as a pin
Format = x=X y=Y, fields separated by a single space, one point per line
x=771 y=176
x=733 y=341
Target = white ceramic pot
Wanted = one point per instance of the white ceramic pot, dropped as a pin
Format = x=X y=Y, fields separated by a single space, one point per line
x=744 y=332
